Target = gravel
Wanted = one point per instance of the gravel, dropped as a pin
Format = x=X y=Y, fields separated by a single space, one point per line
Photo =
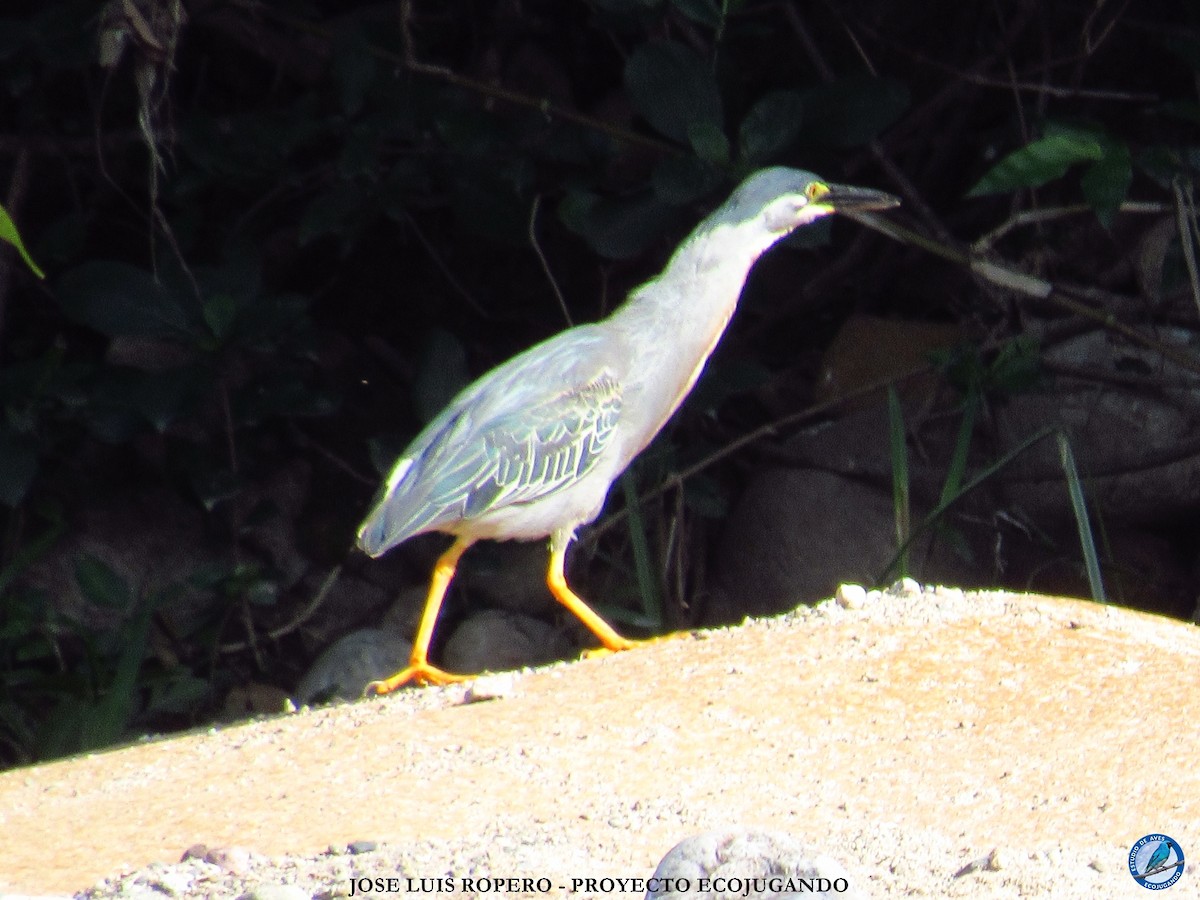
x=600 y=854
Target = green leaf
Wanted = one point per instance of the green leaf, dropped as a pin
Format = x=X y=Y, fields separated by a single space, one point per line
x=673 y=87
x=770 y=126
x=709 y=142
x=1087 y=538
x=487 y=203
x=220 y=312
x=680 y=180
x=268 y=320
x=18 y=466
x=1041 y=161
x=1106 y=183
x=8 y=232
x=119 y=299
x=106 y=720
x=125 y=400
x=852 y=110
x=616 y=228
x=1016 y=368
x=704 y=12
x=281 y=393
x=100 y=585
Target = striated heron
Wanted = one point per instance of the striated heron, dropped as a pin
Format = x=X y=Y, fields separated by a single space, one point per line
x=531 y=448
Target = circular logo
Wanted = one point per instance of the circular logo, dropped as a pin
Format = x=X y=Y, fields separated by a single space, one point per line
x=1156 y=862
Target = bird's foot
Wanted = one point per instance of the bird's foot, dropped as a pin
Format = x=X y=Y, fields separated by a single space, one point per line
x=417 y=673
x=626 y=644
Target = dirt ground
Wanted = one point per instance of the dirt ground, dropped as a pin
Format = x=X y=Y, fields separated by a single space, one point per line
x=934 y=744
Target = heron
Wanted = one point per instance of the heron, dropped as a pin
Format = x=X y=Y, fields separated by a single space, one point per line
x=529 y=450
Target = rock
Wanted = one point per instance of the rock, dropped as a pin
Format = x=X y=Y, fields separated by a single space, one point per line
x=768 y=865
x=794 y=536
x=352 y=662
x=489 y=687
x=851 y=596
x=497 y=640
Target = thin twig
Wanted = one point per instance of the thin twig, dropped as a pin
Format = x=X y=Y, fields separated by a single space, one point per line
x=542 y=105
x=440 y=265
x=1185 y=213
x=1007 y=276
x=1049 y=90
x=533 y=242
x=303 y=616
x=1037 y=216
x=912 y=197
x=336 y=461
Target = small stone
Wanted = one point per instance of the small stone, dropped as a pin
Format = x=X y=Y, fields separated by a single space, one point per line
x=973 y=866
x=906 y=587
x=232 y=859
x=196 y=851
x=997 y=860
x=851 y=596
x=356 y=847
x=171 y=882
x=489 y=687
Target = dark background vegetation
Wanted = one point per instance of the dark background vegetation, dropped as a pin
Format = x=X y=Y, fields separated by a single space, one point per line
x=277 y=236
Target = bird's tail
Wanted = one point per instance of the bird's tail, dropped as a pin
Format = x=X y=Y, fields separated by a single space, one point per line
x=384 y=527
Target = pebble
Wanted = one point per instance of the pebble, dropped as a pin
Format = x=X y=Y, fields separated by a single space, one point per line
x=851 y=596
x=235 y=860
x=489 y=687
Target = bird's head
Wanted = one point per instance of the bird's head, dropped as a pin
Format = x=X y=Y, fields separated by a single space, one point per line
x=783 y=199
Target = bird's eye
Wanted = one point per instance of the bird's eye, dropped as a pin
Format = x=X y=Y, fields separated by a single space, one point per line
x=815 y=190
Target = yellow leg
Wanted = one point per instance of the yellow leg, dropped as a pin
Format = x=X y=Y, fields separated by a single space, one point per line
x=557 y=582
x=419 y=669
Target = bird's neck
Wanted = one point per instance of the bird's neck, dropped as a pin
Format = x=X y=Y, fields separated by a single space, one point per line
x=671 y=324
x=691 y=301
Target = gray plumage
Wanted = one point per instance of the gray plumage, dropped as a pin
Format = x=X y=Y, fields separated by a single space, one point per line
x=531 y=448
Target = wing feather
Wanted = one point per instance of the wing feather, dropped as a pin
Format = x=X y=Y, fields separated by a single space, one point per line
x=508 y=439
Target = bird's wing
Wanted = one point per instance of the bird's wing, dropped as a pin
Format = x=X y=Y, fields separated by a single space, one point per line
x=1159 y=856
x=534 y=451
x=532 y=427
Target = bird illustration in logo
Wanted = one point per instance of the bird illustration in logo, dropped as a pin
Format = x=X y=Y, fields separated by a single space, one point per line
x=1158 y=857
